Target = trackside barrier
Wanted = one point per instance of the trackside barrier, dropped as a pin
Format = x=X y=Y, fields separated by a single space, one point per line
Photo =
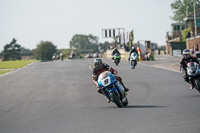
x=125 y=55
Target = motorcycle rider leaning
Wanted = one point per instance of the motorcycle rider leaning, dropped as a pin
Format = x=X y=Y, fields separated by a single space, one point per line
x=183 y=64
x=100 y=67
x=131 y=51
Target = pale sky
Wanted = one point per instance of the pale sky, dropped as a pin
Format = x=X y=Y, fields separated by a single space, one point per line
x=32 y=21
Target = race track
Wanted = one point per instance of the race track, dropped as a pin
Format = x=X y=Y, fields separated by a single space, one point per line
x=59 y=97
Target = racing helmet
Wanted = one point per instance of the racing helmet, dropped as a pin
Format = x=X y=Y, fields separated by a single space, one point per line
x=186 y=53
x=98 y=63
x=133 y=48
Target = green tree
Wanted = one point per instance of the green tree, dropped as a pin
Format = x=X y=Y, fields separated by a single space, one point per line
x=11 y=51
x=182 y=7
x=104 y=46
x=154 y=46
x=25 y=52
x=84 y=42
x=162 y=47
x=185 y=34
x=45 y=50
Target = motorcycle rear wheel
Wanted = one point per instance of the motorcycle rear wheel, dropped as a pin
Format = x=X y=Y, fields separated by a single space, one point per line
x=125 y=103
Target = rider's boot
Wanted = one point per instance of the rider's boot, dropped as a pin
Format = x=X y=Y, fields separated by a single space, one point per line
x=191 y=87
x=126 y=89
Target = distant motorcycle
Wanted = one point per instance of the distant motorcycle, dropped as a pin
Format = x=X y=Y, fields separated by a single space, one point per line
x=112 y=89
x=116 y=58
x=193 y=71
x=133 y=60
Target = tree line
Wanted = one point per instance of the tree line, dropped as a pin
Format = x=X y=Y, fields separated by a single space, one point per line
x=182 y=8
x=79 y=43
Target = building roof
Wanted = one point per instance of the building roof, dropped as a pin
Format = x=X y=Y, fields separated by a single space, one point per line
x=197 y=13
x=191 y=15
x=178 y=24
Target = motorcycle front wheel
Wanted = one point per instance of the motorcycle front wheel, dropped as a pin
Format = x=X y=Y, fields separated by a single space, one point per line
x=116 y=99
x=197 y=84
x=116 y=62
x=132 y=64
x=125 y=101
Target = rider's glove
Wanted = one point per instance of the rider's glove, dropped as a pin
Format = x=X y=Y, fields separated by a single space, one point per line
x=115 y=72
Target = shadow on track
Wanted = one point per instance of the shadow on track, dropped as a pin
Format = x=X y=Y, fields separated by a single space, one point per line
x=144 y=106
x=194 y=96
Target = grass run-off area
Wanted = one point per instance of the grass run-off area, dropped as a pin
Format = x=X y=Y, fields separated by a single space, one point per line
x=4 y=71
x=14 y=64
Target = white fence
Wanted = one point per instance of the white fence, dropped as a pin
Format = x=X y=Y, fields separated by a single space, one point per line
x=177 y=52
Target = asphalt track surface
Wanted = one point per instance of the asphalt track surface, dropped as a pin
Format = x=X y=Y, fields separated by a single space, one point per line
x=59 y=97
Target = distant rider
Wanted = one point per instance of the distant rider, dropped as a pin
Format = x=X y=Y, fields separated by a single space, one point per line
x=183 y=64
x=131 y=51
x=114 y=52
x=100 y=67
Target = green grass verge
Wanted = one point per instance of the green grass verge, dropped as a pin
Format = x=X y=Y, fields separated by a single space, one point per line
x=3 y=71
x=15 y=64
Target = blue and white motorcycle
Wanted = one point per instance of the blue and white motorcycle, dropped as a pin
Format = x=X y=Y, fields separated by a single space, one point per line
x=112 y=89
x=133 y=60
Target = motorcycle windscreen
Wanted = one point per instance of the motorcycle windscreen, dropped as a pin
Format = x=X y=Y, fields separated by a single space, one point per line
x=103 y=75
x=133 y=55
x=105 y=79
x=191 y=65
x=116 y=54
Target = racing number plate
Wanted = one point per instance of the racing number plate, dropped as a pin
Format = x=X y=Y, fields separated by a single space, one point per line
x=105 y=81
